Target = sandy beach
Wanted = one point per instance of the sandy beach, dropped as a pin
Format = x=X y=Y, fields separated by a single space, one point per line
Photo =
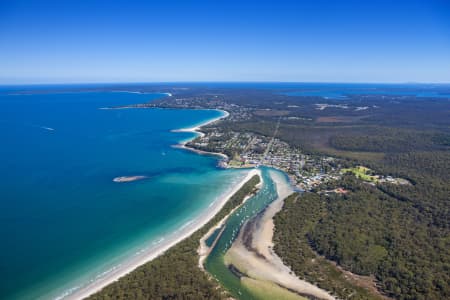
x=196 y=129
x=168 y=241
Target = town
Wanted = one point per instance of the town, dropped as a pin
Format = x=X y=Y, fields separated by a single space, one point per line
x=247 y=150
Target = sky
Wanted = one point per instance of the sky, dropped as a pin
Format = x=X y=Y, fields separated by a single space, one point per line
x=45 y=41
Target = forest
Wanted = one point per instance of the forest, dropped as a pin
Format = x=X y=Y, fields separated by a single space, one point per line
x=367 y=232
x=293 y=224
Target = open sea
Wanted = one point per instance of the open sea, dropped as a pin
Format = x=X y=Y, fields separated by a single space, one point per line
x=63 y=221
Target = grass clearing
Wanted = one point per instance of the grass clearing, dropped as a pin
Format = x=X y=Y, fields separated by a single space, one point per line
x=267 y=290
x=362 y=173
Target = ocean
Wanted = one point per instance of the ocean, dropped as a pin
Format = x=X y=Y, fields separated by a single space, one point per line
x=63 y=221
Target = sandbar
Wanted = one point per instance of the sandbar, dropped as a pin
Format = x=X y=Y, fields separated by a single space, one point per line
x=129 y=178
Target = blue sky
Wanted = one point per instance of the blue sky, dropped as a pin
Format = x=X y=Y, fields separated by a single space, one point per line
x=154 y=41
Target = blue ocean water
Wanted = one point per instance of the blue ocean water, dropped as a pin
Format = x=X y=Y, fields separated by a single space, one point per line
x=63 y=221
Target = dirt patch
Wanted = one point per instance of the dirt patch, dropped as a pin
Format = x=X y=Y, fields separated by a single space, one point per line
x=367 y=282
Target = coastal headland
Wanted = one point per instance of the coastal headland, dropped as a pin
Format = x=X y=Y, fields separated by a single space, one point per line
x=199 y=133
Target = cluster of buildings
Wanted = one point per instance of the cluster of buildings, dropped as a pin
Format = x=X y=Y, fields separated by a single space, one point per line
x=246 y=150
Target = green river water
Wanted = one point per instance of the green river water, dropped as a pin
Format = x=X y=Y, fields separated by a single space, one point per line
x=215 y=264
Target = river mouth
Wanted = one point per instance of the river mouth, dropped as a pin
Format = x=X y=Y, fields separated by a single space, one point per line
x=241 y=256
x=227 y=274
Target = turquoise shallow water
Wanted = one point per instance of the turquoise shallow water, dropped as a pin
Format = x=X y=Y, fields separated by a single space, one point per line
x=62 y=219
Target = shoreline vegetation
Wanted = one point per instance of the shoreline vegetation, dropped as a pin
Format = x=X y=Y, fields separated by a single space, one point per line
x=171 y=240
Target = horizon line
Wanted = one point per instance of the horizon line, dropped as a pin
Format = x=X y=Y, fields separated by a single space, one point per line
x=219 y=81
